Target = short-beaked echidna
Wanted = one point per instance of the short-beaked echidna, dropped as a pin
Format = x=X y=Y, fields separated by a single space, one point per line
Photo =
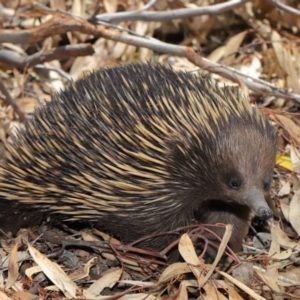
x=137 y=150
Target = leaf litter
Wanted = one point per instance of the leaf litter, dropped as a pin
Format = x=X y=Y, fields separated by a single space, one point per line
x=259 y=39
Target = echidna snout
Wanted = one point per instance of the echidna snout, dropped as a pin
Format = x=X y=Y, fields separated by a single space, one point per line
x=256 y=201
x=259 y=205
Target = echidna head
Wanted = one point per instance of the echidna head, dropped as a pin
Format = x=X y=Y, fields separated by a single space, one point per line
x=246 y=156
x=234 y=166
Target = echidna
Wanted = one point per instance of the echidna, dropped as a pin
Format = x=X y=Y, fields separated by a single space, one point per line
x=137 y=150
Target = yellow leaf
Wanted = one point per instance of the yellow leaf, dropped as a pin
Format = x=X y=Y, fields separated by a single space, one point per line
x=284 y=161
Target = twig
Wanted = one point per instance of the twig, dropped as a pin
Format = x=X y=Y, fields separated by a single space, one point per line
x=149 y=5
x=55 y=69
x=169 y=14
x=11 y=101
x=15 y=59
x=286 y=8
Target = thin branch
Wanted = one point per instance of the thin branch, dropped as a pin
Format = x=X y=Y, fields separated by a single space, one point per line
x=149 y=5
x=169 y=14
x=17 y=60
x=286 y=8
x=11 y=101
x=55 y=69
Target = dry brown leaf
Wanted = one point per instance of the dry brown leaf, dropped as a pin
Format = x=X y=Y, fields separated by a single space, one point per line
x=118 y=49
x=183 y=294
x=33 y=270
x=13 y=268
x=2 y=134
x=58 y=4
x=4 y=296
x=282 y=238
x=290 y=126
x=292 y=273
x=108 y=280
x=231 y=47
x=174 y=270
x=275 y=246
x=187 y=250
x=24 y=296
x=285 y=189
x=15 y=48
x=85 y=272
x=145 y=54
x=79 y=7
x=85 y=64
x=285 y=210
x=295 y=158
x=110 y=5
x=233 y=294
x=212 y=293
x=293 y=75
x=129 y=53
x=2 y=285
x=55 y=273
x=286 y=254
x=279 y=49
x=221 y=249
x=139 y=296
x=192 y=283
x=217 y=54
x=242 y=286
x=270 y=281
x=55 y=78
x=188 y=253
x=294 y=215
x=28 y=104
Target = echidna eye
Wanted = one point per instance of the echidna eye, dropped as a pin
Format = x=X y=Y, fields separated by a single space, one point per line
x=266 y=185
x=235 y=183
